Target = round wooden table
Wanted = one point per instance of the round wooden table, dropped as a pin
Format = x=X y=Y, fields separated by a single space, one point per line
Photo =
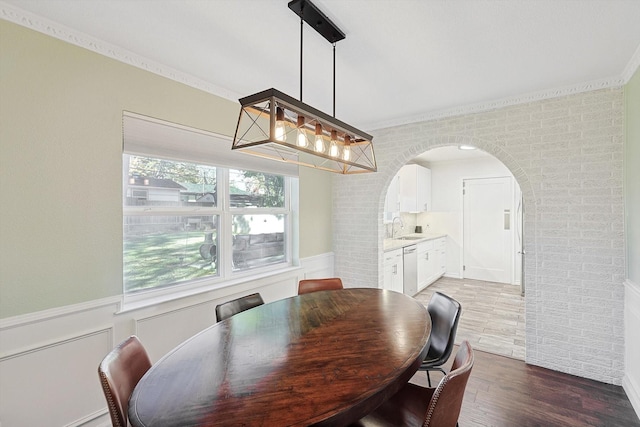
x=324 y=358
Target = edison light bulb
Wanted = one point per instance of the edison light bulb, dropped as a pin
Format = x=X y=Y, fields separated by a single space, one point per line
x=302 y=136
x=319 y=142
x=346 y=152
x=333 y=148
x=280 y=131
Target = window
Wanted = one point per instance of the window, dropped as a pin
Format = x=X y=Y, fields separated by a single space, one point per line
x=259 y=215
x=170 y=222
x=190 y=223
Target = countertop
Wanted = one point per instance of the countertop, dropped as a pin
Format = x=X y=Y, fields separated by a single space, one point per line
x=397 y=243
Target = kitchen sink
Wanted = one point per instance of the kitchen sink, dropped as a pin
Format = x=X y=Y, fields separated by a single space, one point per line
x=409 y=238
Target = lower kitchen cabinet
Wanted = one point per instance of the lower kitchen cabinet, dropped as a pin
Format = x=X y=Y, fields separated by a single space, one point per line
x=441 y=247
x=426 y=264
x=431 y=261
x=393 y=271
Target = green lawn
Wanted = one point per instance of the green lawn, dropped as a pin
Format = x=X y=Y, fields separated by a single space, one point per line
x=163 y=259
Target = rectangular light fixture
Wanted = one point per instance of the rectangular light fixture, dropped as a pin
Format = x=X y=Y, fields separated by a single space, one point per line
x=276 y=126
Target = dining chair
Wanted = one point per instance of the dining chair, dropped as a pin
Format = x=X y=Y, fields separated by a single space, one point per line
x=415 y=405
x=313 y=285
x=445 y=314
x=229 y=308
x=119 y=373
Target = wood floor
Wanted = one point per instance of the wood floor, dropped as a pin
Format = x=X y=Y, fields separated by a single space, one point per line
x=505 y=392
x=492 y=314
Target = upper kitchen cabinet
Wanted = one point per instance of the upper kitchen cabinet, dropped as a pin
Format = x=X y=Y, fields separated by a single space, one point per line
x=409 y=191
x=415 y=188
x=392 y=201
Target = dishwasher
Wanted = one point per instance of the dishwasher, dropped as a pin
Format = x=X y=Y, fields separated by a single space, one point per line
x=410 y=270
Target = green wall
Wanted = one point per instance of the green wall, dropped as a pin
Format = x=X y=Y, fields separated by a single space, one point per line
x=632 y=176
x=60 y=167
x=316 y=229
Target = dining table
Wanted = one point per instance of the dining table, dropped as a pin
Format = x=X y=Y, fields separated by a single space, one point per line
x=325 y=358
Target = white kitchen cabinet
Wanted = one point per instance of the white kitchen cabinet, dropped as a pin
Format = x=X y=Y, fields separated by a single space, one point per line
x=426 y=264
x=393 y=271
x=431 y=261
x=415 y=188
x=392 y=200
x=409 y=191
x=441 y=248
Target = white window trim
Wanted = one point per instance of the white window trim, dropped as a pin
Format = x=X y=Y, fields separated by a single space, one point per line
x=141 y=137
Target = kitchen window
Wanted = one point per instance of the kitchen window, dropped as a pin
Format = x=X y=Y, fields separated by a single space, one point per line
x=189 y=223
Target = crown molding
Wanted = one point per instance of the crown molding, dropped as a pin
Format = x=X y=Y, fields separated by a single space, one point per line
x=61 y=32
x=503 y=102
x=632 y=66
x=69 y=35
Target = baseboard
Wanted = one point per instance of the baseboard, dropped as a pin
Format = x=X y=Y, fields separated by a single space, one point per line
x=631 y=379
x=633 y=393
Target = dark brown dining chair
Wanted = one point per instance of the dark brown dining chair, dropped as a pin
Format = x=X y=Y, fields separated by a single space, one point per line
x=313 y=285
x=229 y=308
x=445 y=315
x=119 y=373
x=415 y=406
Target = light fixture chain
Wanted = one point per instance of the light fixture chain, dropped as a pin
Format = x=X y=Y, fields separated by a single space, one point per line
x=334 y=79
x=301 y=44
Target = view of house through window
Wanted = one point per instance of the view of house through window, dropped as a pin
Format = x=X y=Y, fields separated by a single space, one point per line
x=258 y=238
x=178 y=218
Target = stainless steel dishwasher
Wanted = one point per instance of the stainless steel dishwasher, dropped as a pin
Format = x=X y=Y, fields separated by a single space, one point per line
x=410 y=270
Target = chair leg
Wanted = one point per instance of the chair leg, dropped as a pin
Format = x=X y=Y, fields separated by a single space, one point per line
x=435 y=368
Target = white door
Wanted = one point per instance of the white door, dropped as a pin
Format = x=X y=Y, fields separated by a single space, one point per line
x=488 y=229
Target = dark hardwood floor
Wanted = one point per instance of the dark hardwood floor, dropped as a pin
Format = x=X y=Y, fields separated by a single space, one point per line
x=505 y=392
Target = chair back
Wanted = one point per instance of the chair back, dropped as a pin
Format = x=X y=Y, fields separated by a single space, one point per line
x=446 y=402
x=229 y=308
x=313 y=285
x=445 y=314
x=119 y=373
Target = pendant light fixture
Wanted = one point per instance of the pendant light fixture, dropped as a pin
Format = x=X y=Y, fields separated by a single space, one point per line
x=276 y=126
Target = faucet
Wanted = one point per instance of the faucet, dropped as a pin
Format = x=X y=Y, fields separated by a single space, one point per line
x=393 y=223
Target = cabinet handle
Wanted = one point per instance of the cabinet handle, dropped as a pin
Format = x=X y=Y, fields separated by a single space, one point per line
x=427 y=256
x=395 y=269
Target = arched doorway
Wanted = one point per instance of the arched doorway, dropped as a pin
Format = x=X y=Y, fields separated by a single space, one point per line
x=573 y=212
x=471 y=188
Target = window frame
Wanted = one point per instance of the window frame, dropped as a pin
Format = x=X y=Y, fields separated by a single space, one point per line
x=226 y=275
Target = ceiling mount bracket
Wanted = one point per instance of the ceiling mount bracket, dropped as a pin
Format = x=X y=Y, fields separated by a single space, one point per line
x=316 y=20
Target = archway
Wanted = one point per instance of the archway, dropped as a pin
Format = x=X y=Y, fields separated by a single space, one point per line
x=359 y=205
x=401 y=158
x=482 y=268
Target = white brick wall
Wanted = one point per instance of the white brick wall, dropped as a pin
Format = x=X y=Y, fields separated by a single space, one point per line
x=566 y=154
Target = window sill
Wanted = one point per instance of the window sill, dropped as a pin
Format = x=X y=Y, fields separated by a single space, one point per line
x=156 y=297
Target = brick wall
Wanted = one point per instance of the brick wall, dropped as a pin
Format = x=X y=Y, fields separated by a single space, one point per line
x=567 y=156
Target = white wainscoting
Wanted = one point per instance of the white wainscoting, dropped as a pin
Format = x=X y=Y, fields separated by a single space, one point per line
x=49 y=360
x=631 y=379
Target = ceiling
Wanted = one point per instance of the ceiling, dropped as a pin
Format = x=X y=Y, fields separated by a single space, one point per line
x=401 y=61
